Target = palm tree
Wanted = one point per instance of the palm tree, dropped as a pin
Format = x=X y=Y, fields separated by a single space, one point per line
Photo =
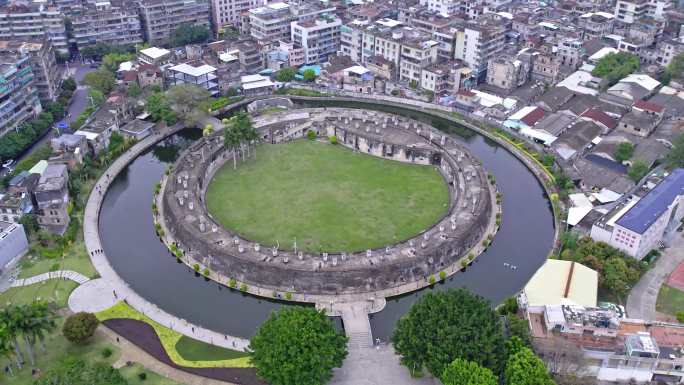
x=42 y=322
x=231 y=139
x=6 y=349
x=11 y=317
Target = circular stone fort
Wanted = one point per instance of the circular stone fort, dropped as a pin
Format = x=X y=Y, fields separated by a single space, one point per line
x=375 y=203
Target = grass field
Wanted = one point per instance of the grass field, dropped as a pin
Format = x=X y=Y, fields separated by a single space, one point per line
x=53 y=290
x=670 y=300
x=195 y=350
x=327 y=197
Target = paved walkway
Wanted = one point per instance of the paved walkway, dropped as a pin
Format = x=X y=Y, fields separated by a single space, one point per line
x=641 y=302
x=376 y=366
x=59 y=274
x=112 y=279
x=93 y=296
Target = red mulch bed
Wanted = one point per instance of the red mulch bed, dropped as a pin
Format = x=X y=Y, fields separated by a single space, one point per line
x=143 y=336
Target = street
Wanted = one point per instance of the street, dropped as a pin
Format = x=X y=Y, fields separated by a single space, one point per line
x=78 y=104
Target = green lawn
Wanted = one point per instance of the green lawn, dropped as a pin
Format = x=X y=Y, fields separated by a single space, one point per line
x=670 y=300
x=130 y=373
x=54 y=290
x=57 y=347
x=327 y=197
x=75 y=258
x=194 y=350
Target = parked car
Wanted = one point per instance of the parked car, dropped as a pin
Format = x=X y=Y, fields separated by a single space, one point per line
x=8 y=163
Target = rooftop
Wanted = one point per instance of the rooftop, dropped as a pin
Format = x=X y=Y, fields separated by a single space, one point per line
x=155 y=52
x=188 y=69
x=562 y=282
x=649 y=208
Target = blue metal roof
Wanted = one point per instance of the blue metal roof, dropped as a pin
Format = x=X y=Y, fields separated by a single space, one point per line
x=642 y=215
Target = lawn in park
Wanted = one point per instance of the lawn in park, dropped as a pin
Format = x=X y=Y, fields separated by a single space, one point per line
x=327 y=197
x=55 y=291
x=195 y=350
x=670 y=300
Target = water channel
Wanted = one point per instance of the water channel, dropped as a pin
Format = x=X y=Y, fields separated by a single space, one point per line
x=129 y=240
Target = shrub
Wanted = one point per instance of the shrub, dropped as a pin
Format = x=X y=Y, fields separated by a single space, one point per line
x=471 y=256
x=54 y=267
x=232 y=283
x=142 y=376
x=243 y=287
x=442 y=275
x=333 y=139
x=107 y=352
x=311 y=135
x=680 y=317
x=432 y=280
x=275 y=294
x=196 y=267
x=485 y=243
x=79 y=327
x=464 y=263
x=288 y=296
x=206 y=272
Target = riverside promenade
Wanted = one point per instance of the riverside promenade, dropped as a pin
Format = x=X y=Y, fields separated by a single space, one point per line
x=110 y=288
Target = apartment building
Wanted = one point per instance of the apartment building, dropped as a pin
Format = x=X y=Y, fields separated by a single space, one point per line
x=107 y=25
x=636 y=225
x=630 y=11
x=507 y=73
x=161 y=17
x=319 y=38
x=18 y=96
x=52 y=196
x=595 y=25
x=446 y=7
x=46 y=75
x=477 y=43
x=226 y=13
x=203 y=76
x=271 y=23
x=418 y=52
x=570 y=53
x=33 y=21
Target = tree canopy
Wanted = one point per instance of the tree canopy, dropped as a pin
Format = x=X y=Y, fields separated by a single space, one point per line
x=616 y=66
x=159 y=109
x=637 y=170
x=309 y=75
x=443 y=326
x=190 y=102
x=675 y=158
x=297 y=346
x=674 y=70
x=624 y=151
x=525 y=368
x=79 y=327
x=462 y=372
x=101 y=80
x=189 y=34
x=111 y=61
x=286 y=74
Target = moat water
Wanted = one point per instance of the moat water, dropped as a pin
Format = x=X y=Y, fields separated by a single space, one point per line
x=129 y=240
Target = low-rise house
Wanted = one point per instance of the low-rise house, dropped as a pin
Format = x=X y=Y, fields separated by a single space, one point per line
x=98 y=129
x=150 y=75
x=638 y=224
x=576 y=139
x=203 y=76
x=137 y=129
x=256 y=85
x=553 y=99
x=155 y=56
x=643 y=119
x=526 y=117
x=632 y=88
x=14 y=204
x=13 y=242
x=70 y=146
x=602 y=119
x=52 y=197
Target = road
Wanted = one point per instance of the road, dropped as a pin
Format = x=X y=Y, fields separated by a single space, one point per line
x=79 y=103
x=641 y=302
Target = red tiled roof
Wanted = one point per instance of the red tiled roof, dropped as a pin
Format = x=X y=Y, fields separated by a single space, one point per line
x=130 y=76
x=599 y=116
x=533 y=117
x=648 y=106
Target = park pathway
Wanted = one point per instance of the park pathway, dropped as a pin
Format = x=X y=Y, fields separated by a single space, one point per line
x=59 y=274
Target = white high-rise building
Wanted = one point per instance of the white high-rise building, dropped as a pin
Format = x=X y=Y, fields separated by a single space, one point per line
x=226 y=13
x=318 y=38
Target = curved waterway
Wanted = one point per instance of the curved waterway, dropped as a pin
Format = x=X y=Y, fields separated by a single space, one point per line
x=128 y=237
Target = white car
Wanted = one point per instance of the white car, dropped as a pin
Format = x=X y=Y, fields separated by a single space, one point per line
x=8 y=163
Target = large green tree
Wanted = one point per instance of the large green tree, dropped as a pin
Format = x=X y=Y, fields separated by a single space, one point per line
x=616 y=66
x=675 y=158
x=297 y=346
x=79 y=327
x=624 y=151
x=637 y=170
x=443 y=326
x=159 y=109
x=189 y=34
x=101 y=80
x=111 y=61
x=462 y=372
x=286 y=74
x=190 y=102
x=525 y=368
